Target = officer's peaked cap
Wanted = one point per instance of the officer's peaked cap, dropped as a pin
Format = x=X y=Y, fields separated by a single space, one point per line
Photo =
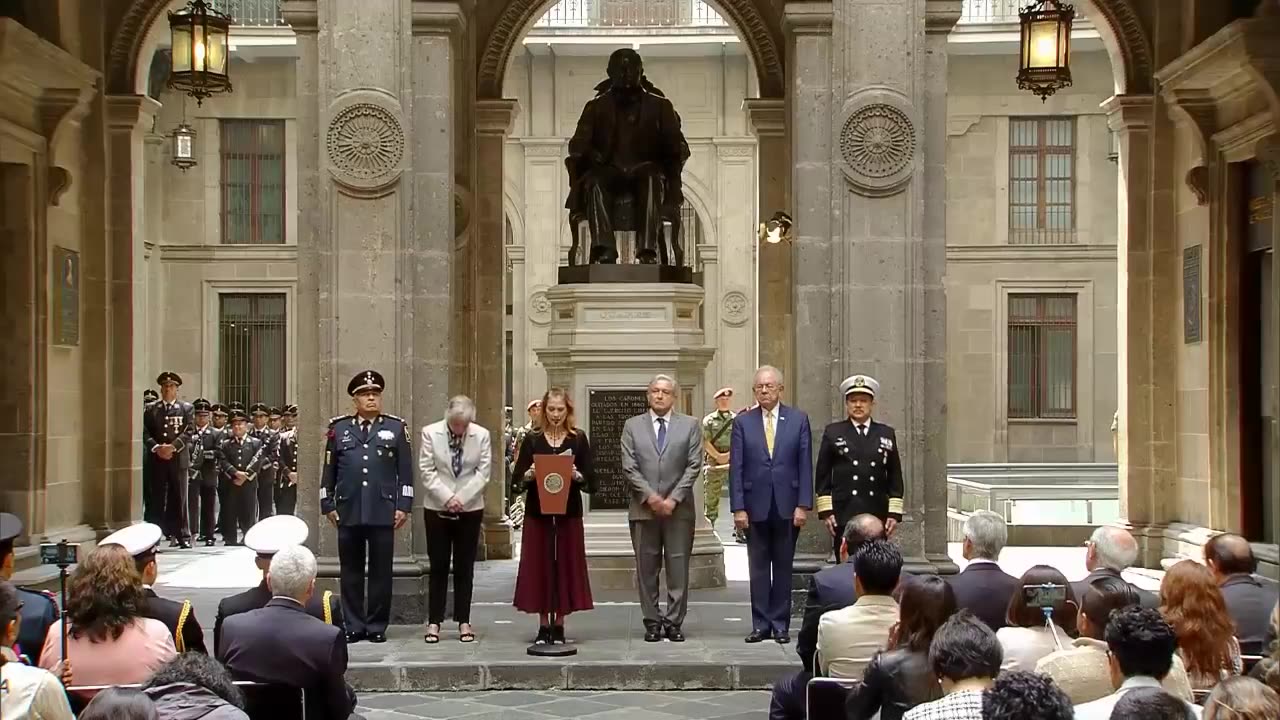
x=271 y=535
x=168 y=376
x=366 y=380
x=136 y=539
x=864 y=384
x=10 y=526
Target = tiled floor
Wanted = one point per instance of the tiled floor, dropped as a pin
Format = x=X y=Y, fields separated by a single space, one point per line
x=524 y=705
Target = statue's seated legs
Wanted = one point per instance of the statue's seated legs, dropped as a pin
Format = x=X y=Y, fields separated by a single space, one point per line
x=617 y=200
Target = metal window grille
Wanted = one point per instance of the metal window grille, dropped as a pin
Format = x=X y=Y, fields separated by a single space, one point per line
x=252 y=342
x=1042 y=156
x=1042 y=356
x=252 y=158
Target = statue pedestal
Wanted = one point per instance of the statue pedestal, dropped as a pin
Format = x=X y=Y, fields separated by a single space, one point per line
x=606 y=342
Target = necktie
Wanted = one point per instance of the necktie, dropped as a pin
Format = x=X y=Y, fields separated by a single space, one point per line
x=862 y=430
x=364 y=427
x=768 y=432
x=662 y=434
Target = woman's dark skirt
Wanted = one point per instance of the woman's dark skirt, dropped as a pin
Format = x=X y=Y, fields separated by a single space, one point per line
x=534 y=582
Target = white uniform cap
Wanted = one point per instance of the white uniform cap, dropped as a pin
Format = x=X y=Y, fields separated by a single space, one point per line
x=136 y=539
x=861 y=384
x=728 y=391
x=271 y=535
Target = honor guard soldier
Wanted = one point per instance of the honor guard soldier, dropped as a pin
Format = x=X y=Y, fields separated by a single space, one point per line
x=858 y=466
x=260 y=414
x=366 y=490
x=286 y=491
x=151 y=511
x=266 y=539
x=167 y=426
x=39 y=607
x=220 y=424
x=289 y=420
x=141 y=541
x=716 y=427
x=219 y=416
x=202 y=489
x=273 y=418
x=239 y=458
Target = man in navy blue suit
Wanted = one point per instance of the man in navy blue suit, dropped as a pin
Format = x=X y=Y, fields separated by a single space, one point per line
x=771 y=493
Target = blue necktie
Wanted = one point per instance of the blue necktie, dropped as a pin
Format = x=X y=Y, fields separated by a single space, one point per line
x=662 y=434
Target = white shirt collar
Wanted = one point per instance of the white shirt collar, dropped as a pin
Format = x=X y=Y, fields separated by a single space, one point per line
x=286 y=597
x=1138 y=681
x=654 y=417
x=979 y=561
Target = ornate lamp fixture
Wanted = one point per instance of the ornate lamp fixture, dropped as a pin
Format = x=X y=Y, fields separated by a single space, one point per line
x=199 y=64
x=1045 y=49
x=777 y=229
x=183 y=140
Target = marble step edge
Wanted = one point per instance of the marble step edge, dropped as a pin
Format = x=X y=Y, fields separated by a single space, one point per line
x=568 y=674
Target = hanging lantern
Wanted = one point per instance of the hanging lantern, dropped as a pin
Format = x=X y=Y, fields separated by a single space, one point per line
x=1045 y=49
x=199 y=61
x=184 y=147
x=777 y=229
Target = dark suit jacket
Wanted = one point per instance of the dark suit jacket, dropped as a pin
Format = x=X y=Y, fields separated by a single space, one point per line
x=756 y=478
x=179 y=617
x=1149 y=600
x=283 y=645
x=258 y=597
x=1250 y=600
x=984 y=589
x=829 y=589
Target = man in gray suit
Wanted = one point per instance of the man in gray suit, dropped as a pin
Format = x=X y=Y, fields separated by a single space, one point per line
x=662 y=457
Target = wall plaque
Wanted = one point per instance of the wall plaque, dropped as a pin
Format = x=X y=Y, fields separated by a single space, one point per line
x=66 y=297
x=608 y=411
x=1191 y=294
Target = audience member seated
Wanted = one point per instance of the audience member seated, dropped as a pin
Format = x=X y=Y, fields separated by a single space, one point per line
x=1109 y=552
x=120 y=704
x=1192 y=603
x=142 y=541
x=109 y=642
x=283 y=645
x=1021 y=695
x=1027 y=636
x=1141 y=646
x=1268 y=671
x=1249 y=597
x=849 y=637
x=965 y=657
x=1148 y=703
x=1082 y=670
x=900 y=678
x=194 y=686
x=25 y=692
x=983 y=588
x=1242 y=698
x=829 y=589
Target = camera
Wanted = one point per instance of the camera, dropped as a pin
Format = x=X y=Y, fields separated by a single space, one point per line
x=61 y=554
x=1044 y=596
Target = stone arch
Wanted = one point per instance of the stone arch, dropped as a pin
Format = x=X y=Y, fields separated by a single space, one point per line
x=755 y=20
x=1128 y=44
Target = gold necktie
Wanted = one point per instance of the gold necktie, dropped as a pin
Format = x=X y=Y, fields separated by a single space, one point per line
x=768 y=432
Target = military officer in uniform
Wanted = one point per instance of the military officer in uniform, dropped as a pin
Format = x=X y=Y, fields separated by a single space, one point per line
x=286 y=490
x=716 y=427
x=266 y=538
x=151 y=511
x=39 y=607
x=366 y=490
x=220 y=424
x=167 y=426
x=274 y=414
x=240 y=456
x=219 y=416
x=858 y=469
x=289 y=419
x=260 y=414
x=141 y=541
x=202 y=487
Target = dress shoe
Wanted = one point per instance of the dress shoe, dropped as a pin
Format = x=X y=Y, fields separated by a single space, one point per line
x=355 y=637
x=377 y=637
x=557 y=635
x=184 y=545
x=653 y=633
x=208 y=542
x=544 y=636
x=758 y=636
x=782 y=638
x=674 y=634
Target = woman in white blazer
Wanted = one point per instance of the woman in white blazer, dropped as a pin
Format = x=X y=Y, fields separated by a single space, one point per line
x=454 y=460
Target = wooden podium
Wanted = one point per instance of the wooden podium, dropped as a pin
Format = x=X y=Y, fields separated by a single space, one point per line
x=553 y=476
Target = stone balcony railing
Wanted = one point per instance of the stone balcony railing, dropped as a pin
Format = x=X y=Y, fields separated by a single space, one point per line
x=996 y=12
x=253 y=13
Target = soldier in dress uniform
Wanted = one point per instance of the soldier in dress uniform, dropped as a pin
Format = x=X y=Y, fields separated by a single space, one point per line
x=274 y=418
x=859 y=470
x=219 y=416
x=167 y=426
x=261 y=414
x=366 y=490
x=202 y=486
x=266 y=538
x=240 y=456
x=220 y=424
x=151 y=510
x=141 y=541
x=515 y=490
x=286 y=490
x=716 y=427
x=39 y=607
x=289 y=419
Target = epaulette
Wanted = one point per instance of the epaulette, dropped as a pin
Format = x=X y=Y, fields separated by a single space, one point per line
x=335 y=420
x=397 y=419
x=183 y=614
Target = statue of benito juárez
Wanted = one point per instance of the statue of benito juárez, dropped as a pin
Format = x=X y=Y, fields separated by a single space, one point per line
x=624 y=165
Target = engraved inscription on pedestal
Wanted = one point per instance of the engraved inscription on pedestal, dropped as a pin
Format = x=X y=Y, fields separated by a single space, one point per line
x=608 y=411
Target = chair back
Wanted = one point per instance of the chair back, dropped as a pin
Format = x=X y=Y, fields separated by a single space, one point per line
x=263 y=701
x=825 y=697
x=1250 y=662
x=1200 y=696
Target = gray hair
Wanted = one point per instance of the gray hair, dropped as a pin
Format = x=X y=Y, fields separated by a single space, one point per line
x=1114 y=547
x=664 y=378
x=987 y=534
x=292 y=571
x=777 y=374
x=461 y=407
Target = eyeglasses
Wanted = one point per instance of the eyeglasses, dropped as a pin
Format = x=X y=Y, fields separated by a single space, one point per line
x=766 y=386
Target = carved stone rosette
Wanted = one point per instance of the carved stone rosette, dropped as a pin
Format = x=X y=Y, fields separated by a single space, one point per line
x=365 y=141
x=735 y=308
x=879 y=145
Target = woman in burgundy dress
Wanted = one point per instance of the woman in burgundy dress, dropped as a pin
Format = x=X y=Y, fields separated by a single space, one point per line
x=571 y=592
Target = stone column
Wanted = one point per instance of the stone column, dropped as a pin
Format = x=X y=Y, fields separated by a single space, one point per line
x=519 y=335
x=488 y=278
x=767 y=118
